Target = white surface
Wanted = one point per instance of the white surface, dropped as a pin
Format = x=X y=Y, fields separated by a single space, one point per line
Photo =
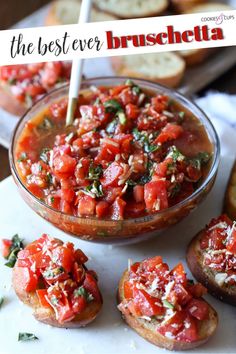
x=108 y=334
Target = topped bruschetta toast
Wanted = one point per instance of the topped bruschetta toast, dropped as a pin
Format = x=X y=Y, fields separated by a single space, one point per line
x=211 y=257
x=50 y=276
x=164 y=307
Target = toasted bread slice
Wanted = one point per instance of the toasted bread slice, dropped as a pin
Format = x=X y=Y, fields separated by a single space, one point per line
x=148 y=329
x=165 y=68
x=65 y=12
x=197 y=56
x=205 y=275
x=230 y=195
x=182 y=6
x=47 y=315
x=132 y=8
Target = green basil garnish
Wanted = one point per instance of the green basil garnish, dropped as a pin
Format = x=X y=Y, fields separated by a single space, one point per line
x=23 y=337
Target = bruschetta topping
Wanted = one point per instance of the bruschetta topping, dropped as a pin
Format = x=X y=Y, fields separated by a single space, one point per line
x=56 y=272
x=153 y=292
x=218 y=244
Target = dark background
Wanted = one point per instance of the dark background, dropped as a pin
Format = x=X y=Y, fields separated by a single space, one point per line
x=12 y=11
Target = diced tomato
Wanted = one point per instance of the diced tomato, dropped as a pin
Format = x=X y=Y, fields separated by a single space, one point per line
x=6 y=247
x=190 y=331
x=197 y=290
x=58 y=109
x=162 y=167
x=26 y=279
x=64 y=257
x=35 y=90
x=138 y=192
x=109 y=149
x=179 y=274
x=231 y=244
x=51 y=73
x=216 y=239
x=102 y=208
x=111 y=193
x=199 y=309
x=117 y=209
x=148 y=305
x=42 y=294
x=134 y=209
x=132 y=111
x=68 y=195
x=169 y=132
x=181 y=295
x=80 y=257
x=160 y=103
x=54 y=201
x=78 y=272
x=86 y=205
x=90 y=284
x=64 y=164
x=79 y=304
x=174 y=324
x=62 y=307
x=151 y=263
x=155 y=195
x=81 y=171
x=36 y=190
x=194 y=173
x=111 y=175
x=40 y=259
x=128 y=289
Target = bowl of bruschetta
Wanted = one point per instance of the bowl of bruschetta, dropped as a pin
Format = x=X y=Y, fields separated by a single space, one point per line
x=136 y=160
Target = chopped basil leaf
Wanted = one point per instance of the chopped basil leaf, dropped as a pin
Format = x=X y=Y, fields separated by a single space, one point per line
x=81 y=291
x=130 y=182
x=16 y=246
x=94 y=190
x=46 y=124
x=53 y=273
x=112 y=106
x=145 y=179
x=23 y=157
x=122 y=117
x=49 y=178
x=135 y=88
x=144 y=141
x=44 y=156
x=95 y=172
x=23 y=337
x=175 y=190
x=1 y=301
x=111 y=127
x=12 y=81
x=190 y=282
x=167 y=304
x=181 y=115
x=28 y=100
x=52 y=199
x=97 y=101
x=175 y=154
x=201 y=159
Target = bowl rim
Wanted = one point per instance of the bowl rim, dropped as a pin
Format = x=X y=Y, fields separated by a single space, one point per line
x=170 y=92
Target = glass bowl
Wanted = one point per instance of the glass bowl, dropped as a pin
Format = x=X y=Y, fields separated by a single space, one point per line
x=127 y=230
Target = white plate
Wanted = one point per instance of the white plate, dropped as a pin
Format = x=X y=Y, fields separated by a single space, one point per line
x=108 y=334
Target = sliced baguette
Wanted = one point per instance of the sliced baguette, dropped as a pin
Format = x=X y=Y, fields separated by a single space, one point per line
x=132 y=8
x=230 y=195
x=47 y=315
x=165 y=68
x=205 y=275
x=182 y=6
x=148 y=330
x=65 y=12
x=197 y=56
